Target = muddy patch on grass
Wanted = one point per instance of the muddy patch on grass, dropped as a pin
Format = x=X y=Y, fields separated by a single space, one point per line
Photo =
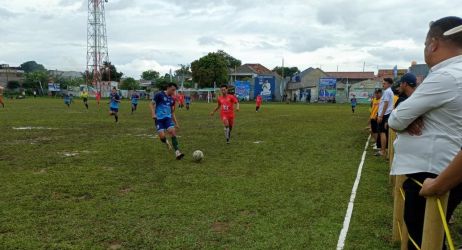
x=220 y=227
x=40 y=171
x=125 y=190
x=114 y=245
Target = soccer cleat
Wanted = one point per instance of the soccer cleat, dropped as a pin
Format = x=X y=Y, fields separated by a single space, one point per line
x=179 y=155
x=375 y=147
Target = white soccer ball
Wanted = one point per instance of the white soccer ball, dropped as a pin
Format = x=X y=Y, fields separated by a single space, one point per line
x=198 y=156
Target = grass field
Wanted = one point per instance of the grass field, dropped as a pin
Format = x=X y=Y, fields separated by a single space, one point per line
x=77 y=180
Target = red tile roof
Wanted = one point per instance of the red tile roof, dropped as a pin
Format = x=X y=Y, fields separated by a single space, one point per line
x=352 y=75
x=258 y=68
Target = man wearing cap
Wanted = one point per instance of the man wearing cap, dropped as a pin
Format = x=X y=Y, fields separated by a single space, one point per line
x=429 y=123
x=407 y=86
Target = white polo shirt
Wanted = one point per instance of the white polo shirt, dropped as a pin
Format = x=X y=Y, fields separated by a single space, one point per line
x=438 y=100
x=386 y=97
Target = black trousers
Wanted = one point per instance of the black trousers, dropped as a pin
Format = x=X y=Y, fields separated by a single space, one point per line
x=414 y=206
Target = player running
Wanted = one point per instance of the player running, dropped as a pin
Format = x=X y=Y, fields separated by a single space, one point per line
x=114 y=104
x=258 y=101
x=67 y=99
x=188 y=101
x=226 y=103
x=163 y=113
x=85 y=98
x=135 y=97
x=98 y=97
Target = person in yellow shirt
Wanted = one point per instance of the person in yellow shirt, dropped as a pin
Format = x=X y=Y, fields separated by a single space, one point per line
x=85 y=98
x=373 y=117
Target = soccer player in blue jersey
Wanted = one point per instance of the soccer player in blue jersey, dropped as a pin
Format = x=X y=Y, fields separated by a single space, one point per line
x=135 y=97
x=163 y=113
x=67 y=99
x=114 y=104
x=188 y=101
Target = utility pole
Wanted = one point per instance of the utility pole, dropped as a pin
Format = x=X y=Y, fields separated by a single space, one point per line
x=97 y=50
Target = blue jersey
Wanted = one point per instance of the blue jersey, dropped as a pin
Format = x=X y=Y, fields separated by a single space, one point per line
x=164 y=104
x=135 y=98
x=188 y=99
x=114 y=99
x=67 y=98
x=353 y=102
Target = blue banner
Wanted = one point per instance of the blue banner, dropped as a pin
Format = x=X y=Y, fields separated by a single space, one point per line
x=327 y=89
x=264 y=86
x=242 y=90
x=54 y=87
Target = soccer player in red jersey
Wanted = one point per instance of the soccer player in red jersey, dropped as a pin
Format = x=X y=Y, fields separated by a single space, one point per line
x=259 y=100
x=226 y=103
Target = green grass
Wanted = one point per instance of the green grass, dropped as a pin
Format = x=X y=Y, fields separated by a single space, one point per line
x=124 y=189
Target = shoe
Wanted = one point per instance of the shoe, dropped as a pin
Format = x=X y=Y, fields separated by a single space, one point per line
x=169 y=146
x=179 y=155
x=378 y=153
x=375 y=147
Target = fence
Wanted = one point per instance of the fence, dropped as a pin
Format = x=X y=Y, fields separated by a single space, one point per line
x=435 y=226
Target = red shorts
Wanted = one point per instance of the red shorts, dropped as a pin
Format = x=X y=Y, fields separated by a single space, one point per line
x=229 y=118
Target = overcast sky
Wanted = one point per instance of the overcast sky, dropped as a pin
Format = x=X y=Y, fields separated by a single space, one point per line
x=160 y=34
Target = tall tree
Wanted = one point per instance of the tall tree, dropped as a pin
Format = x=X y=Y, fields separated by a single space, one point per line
x=32 y=66
x=231 y=62
x=209 y=69
x=35 y=78
x=129 y=83
x=184 y=70
x=288 y=71
x=150 y=75
x=110 y=73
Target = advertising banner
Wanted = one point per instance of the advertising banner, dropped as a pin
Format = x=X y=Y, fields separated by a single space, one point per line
x=327 y=89
x=264 y=86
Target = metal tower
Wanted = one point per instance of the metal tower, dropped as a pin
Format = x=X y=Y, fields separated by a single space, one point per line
x=97 y=52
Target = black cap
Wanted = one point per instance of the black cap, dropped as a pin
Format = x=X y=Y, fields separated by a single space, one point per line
x=409 y=78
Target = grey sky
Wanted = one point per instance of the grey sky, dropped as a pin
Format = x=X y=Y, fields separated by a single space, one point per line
x=160 y=34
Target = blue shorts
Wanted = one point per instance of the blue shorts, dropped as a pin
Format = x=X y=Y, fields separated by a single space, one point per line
x=115 y=110
x=135 y=104
x=164 y=124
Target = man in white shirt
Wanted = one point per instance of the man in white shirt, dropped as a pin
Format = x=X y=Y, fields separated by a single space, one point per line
x=385 y=108
x=429 y=122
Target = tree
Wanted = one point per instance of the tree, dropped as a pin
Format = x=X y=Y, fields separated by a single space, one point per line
x=13 y=85
x=33 y=79
x=129 y=84
x=150 y=75
x=110 y=73
x=32 y=66
x=288 y=72
x=231 y=62
x=184 y=70
x=210 y=68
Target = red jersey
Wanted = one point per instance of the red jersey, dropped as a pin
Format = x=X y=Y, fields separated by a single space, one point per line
x=181 y=98
x=227 y=105
x=259 y=100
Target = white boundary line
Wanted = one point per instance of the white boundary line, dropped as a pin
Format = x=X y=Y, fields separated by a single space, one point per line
x=349 y=212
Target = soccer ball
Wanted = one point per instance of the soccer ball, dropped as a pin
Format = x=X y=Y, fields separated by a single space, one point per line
x=198 y=156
